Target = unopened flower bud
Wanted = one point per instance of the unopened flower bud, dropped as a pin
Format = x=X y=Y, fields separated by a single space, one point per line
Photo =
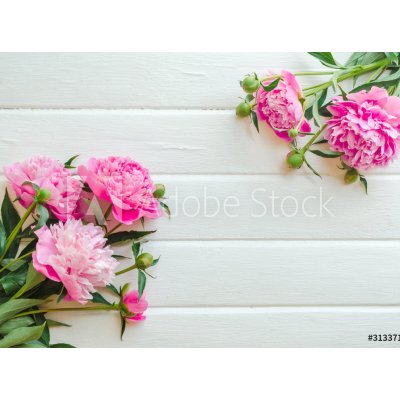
x=160 y=191
x=42 y=195
x=351 y=176
x=295 y=159
x=293 y=133
x=243 y=109
x=250 y=84
x=145 y=260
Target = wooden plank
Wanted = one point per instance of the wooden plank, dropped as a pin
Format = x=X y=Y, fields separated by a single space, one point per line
x=172 y=142
x=235 y=327
x=276 y=207
x=135 y=80
x=275 y=273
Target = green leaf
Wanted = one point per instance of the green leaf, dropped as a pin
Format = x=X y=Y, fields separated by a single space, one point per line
x=312 y=169
x=355 y=59
x=166 y=208
x=364 y=183
x=29 y=247
x=135 y=249
x=68 y=164
x=45 y=337
x=155 y=262
x=15 y=264
x=113 y=289
x=321 y=99
x=3 y=237
x=15 y=306
x=315 y=113
x=43 y=213
x=254 y=119
x=62 y=346
x=127 y=235
x=141 y=283
x=326 y=153
x=15 y=323
x=13 y=281
x=51 y=323
x=393 y=57
x=384 y=82
x=22 y=335
x=249 y=98
x=271 y=86
x=98 y=298
x=34 y=344
x=344 y=94
x=123 y=325
x=33 y=278
x=326 y=58
x=10 y=219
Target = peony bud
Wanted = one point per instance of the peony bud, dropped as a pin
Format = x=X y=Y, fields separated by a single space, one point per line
x=293 y=133
x=42 y=195
x=250 y=84
x=351 y=176
x=295 y=159
x=145 y=260
x=243 y=109
x=160 y=191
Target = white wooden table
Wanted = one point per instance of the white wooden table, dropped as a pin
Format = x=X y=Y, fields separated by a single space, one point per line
x=222 y=281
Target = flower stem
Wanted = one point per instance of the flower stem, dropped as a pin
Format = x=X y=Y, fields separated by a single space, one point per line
x=14 y=261
x=47 y=310
x=357 y=70
x=113 y=229
x=300 y=73
x=108 y=212
x=123 y=271
x=17 y=228
x=313 y=139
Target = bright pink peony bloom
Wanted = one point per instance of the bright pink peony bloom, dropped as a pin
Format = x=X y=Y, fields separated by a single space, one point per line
x=49 y=174
x=366 y=128
x=125 y=184
x=281 y=107
x=74 y=254
x=135 y=307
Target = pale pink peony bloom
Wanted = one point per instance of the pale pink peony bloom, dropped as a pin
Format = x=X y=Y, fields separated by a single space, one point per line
x=125 y=184
x=49 y=174
x=75 y=254
x=366 y=128
x=135 y=307
x=281 y=107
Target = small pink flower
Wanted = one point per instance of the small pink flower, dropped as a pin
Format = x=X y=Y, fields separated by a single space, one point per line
x=49 y=174
x=366 y=128
x=74 y=254
x=281 y=107
x=135 y=307
x=125 y=184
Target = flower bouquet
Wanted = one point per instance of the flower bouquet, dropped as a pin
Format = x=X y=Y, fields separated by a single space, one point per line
x=60 y=249
x=360 y=125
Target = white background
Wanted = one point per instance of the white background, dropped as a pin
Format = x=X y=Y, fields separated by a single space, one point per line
x=221 y=282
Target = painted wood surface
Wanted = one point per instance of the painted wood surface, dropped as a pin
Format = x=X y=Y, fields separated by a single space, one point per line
x=301 y=275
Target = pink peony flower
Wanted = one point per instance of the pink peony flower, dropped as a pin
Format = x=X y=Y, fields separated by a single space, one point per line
x=366 y=128
x=49 y=174
x=125 y=184
x=281 y=107
x=74 y=254
x=135 y=307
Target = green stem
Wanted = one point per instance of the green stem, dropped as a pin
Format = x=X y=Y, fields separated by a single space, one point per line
x=14 y=261
x=313 y=139
x=47 y=310
x=17 y=228
x=108 y=212
x=300 y=73
x=113 y=229
x=123 y=271
x=357 y=70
